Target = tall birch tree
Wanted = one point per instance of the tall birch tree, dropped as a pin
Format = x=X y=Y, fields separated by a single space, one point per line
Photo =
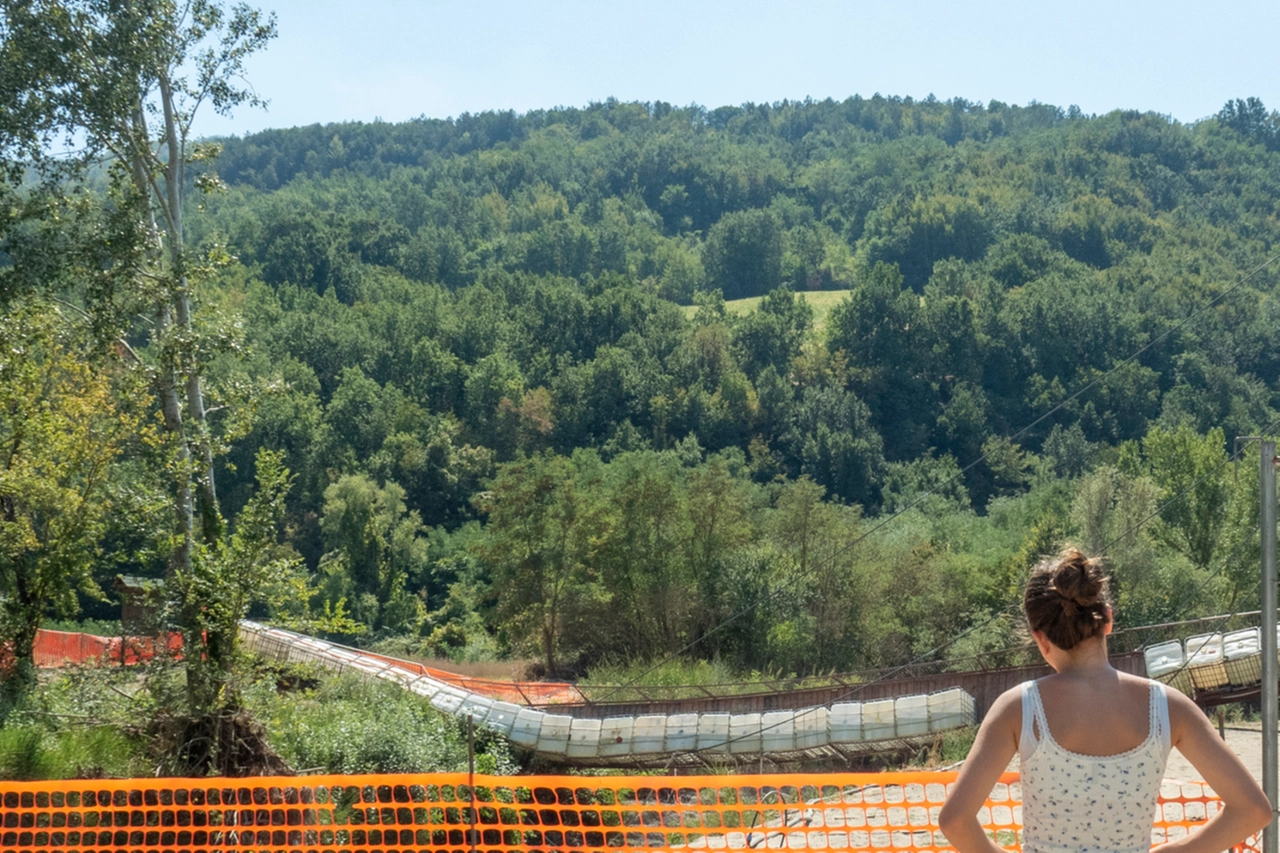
x=117 y=84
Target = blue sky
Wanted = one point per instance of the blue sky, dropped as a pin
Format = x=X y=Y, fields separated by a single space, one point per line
x=398 y=59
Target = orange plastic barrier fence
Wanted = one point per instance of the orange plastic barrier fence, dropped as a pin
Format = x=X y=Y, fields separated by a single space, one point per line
x=60 y=648
x=56 y=648
x=442 y=813
x=517 y=692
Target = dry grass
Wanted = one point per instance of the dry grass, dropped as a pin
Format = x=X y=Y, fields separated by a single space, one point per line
x=496 y=670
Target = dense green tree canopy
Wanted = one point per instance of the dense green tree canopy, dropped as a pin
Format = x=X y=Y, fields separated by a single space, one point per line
x=508 y=333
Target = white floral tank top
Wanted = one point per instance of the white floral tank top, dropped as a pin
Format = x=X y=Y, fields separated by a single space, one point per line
x=1073 y=803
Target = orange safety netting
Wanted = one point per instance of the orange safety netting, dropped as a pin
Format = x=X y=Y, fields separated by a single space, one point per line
x=444 y=814
x=517 y=692
x=60 y=648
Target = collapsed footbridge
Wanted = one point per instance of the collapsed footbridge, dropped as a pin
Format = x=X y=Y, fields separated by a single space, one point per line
x=564 y=725
x=788 y=722
x=784 y=723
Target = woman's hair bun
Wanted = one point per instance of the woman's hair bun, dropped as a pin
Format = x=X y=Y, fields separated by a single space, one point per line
x=1078 y=578
x=1066 y=598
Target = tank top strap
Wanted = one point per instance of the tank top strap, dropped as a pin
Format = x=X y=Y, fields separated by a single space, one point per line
x=1034 y=725
x=1160 y=715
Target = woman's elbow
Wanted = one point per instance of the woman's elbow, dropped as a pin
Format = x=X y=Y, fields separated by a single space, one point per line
x=1251 y=808
x=1260 y=811
x=949 y=819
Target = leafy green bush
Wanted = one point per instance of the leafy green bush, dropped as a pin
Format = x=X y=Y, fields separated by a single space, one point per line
x=947 y=749
x=80 y=722
x=351 y=726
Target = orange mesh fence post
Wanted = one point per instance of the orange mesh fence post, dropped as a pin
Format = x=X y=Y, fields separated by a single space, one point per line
x=522 y=814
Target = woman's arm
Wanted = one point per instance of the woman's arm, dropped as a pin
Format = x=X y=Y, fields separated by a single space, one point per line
x=1245 y=808
x=992 y=751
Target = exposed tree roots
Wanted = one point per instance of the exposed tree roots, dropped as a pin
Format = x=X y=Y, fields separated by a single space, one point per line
x=227 y=743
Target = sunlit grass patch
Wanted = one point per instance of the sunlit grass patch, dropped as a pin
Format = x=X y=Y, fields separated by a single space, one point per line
x=821 y=301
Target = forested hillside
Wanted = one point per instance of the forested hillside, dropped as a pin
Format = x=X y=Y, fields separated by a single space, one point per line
x=507 y=437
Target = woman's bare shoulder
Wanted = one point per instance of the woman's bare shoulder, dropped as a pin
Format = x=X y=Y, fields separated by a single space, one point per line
x=1007 y=708
x=1139 y=686
x=1181 y=709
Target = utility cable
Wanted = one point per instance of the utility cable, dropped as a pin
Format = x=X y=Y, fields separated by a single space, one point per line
x=1186 y=662
x=1234 y=457
x=1129 y=531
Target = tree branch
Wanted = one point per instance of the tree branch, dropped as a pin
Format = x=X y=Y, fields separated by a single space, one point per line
x=121 y=342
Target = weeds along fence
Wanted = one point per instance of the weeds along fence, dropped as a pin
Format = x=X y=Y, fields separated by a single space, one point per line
x=59 y=648
x=453 y=813
x=983 y=677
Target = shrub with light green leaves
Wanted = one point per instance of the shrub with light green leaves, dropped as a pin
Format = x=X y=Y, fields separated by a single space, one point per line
x=347 y=725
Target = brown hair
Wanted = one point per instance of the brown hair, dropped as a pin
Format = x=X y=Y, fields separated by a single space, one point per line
x=1066 y=598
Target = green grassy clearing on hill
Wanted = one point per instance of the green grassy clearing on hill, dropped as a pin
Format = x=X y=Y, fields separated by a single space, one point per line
x=821 y=301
